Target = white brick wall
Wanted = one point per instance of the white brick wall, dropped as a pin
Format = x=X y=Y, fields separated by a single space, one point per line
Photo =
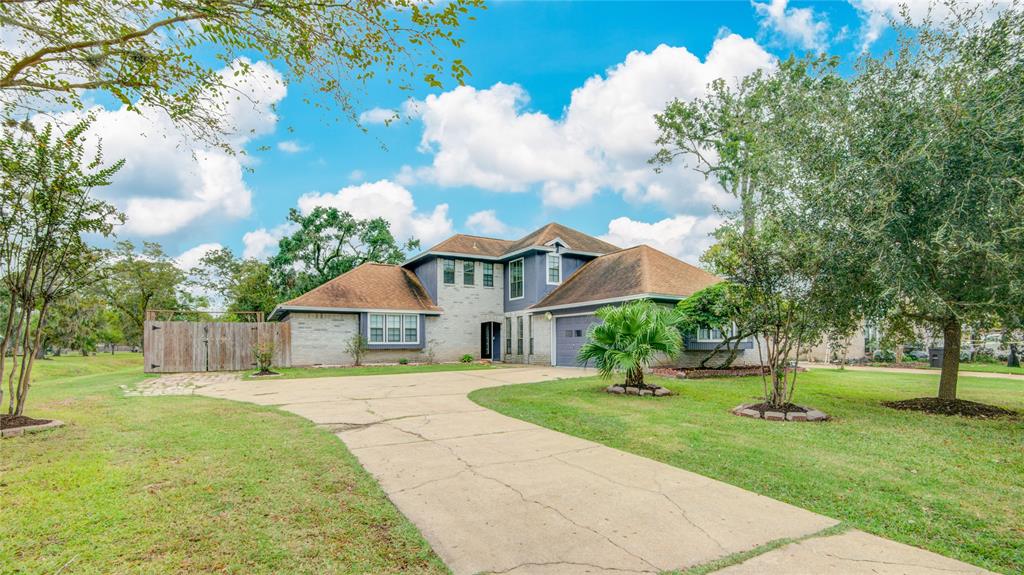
x=541 y=339
x=457 y=331
x=320 y=338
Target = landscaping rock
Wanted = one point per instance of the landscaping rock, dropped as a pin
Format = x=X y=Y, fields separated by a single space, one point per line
x=646 y=392
x=749 y=413
x=632 y=391
x=774 y=416
x=615 y=389
x=794 y=416
x=661 y=392
x=815 y=415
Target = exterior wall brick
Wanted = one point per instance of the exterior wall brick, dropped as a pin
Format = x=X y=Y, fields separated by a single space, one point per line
x=320 y=338
x=541 y=339
x=457 y=331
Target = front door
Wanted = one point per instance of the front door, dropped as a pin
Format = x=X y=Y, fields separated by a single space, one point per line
x=490 y=332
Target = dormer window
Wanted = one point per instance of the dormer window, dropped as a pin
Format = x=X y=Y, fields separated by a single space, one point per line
x=554 y=269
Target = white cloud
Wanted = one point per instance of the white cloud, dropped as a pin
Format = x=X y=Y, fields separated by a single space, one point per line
x=486 y=222
x=378 y=116
x=169 y=181
x=801 y=26
x=876 y=14
x=489 y=138
x=356 y=175
x=683 y=236
x=190 y=257
x=291 y=147
x=390 y=201
x=261 y=243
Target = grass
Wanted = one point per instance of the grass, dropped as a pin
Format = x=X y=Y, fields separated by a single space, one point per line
x=964 y=367
x=305 y=372
x=187 y=485
x=947 y=484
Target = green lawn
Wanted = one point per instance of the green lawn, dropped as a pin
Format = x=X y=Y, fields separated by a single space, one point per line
x=948 y=484
x=991 y=368
x=187 y=485
x=304 y=372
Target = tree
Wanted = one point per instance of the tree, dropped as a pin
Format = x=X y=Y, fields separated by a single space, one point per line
x=140 y=281
x=77 y=322
x=713 y=308
x=329 y=243
x=244 y=284
x=162 y=54
x=46 y=210
x=629 y=339
x=934 y=184
x=768 y=142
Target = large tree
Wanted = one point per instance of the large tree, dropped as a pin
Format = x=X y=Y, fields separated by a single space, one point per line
x=934 y=182
x=164 y=54
x=243 y=283
x=137 y=282
x=328 y=243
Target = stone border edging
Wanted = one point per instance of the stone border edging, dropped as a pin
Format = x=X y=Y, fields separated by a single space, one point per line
x=745 y=410
x=630 y=390
x=17 y=431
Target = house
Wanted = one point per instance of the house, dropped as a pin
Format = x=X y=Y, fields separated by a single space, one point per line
x=529 y=300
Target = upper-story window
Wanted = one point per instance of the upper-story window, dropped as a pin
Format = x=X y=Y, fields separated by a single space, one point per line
x=515 y=279
x=468 y=273
x=448 y=266
x=554 y=269
x=488 y=275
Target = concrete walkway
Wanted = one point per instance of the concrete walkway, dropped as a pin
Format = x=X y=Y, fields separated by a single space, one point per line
x=494 y=494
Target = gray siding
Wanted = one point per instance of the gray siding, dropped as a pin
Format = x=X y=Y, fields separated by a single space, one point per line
x=426 y=271
x=535 y=275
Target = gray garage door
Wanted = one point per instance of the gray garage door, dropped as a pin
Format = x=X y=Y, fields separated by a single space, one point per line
x=570 y=335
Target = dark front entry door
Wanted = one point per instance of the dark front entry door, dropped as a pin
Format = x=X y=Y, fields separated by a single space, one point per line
x=490 y=332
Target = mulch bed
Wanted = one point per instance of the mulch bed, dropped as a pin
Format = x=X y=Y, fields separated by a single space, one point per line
x=265 y=372
x=785 y=408
x=13 y=421
x=962 y=407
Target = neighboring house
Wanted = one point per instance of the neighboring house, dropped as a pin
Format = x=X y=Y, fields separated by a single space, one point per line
x=525 y=301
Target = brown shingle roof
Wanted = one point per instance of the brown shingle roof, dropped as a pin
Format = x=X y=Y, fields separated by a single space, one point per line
x=472 y=245
x=576 y=240
x=629 y=272
x=369 y=286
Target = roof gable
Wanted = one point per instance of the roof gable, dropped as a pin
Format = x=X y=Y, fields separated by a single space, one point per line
x=641 y=270
x=472 y=245
x=572 y=239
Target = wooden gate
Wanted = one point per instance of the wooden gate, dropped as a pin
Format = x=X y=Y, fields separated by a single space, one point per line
x=179 y=346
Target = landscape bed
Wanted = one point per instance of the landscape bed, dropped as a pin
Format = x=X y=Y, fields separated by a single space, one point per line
x=952 y=485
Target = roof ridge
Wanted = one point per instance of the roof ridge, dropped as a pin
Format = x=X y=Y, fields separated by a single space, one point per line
x=477 y=236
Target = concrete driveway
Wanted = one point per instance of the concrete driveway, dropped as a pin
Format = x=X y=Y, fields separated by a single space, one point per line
x=494 y=494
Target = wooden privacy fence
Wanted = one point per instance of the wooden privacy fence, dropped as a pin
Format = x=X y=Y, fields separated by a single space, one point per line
x=178 y=346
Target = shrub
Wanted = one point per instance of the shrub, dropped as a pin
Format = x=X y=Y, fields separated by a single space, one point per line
x=467 y=359
x=403 y=361
x=356 y=347
x=629 y=338
x=263 y=355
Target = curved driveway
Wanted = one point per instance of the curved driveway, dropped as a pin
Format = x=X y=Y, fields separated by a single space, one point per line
x=494 y=494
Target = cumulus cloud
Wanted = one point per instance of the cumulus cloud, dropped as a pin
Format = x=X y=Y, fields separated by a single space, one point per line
x=390 y=201
x=190 y=257
x=378 y=116
x=261 y=243
x=877 y=14
x=489 y=138
x=486 y=222
x=801 y=26
x=683 y=236
x=169 y=181
x=291 y=147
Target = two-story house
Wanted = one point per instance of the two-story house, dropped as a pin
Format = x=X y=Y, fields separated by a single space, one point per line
x=529 y=300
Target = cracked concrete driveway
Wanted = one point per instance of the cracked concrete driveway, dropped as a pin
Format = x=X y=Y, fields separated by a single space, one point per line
x=494 y=494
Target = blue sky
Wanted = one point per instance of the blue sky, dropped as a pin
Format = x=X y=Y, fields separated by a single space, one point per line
x=553 y=125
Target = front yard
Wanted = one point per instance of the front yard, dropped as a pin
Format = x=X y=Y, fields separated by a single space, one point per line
x=306 y=372
x=947 y=484
x=187 y=485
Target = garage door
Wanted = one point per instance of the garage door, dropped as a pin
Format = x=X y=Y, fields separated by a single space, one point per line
x=570 y=335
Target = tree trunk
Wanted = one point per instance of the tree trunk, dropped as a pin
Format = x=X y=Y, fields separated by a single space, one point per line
x=897 y=353
x=951 y=333
x=635 y=378
x=1014 y=359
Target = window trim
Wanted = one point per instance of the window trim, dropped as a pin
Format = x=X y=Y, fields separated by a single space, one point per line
x=444 y=278
x=547 y=269
x=402 y=318
x=522 y=270
x=487 y=276
x=529 y=326
x=471 y=265
x=508 y=336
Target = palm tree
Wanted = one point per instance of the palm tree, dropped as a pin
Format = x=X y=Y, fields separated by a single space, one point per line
x=629 y=338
